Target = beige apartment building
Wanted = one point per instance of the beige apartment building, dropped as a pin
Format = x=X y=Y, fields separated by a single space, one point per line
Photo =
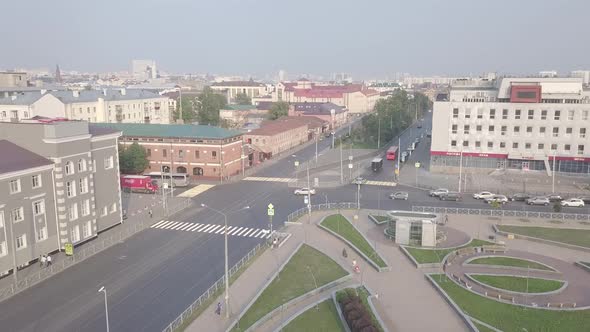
x=276 y=137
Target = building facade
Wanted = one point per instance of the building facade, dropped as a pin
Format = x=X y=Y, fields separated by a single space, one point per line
x=275 y=137
x=13 y=79
x=202 y=152
x=28 y=217
x=331 y=113
x=513 y=123
x=232 y=88
x=85 y=173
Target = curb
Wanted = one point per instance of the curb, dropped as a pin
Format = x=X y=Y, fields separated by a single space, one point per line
x=536 y=239
x=358 y=251
x=584 y=266
x=369 y=300
x=300 y=312
x=514 y=268
x=484 y=285
x=452 y=303
x=378 y=223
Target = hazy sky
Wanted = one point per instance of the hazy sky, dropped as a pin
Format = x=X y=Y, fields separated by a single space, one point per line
x=367 y=38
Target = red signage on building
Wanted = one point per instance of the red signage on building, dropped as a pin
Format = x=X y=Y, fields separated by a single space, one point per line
x=525 y=94
x=469 y=154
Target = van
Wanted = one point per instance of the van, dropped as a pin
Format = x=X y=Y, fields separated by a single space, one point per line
x=451 y=196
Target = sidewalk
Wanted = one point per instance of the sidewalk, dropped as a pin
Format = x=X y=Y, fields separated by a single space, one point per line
x=403 y=292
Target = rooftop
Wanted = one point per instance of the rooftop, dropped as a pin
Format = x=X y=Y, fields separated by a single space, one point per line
x=237 y=83
x=168 y=130
x=271 y=128
x=317 y=108
x=240 y=107
x=66 y=96
x=20 y=158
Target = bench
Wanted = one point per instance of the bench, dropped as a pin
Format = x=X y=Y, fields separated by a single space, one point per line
x=493 y=249
x=561 y=305
x=464 y=251
x=500 y=296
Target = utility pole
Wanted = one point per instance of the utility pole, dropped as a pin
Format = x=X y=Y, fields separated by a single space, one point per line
x=399 y=146
x=308 y=194
x=221 y=161
x=106 y=306
x=163 y=192
x=180 y=105
x=358 y=196
x=316 y=148
x=13 y=240
x=378 y=130
x=460 y=167
x=553 y=175
x=341 y=165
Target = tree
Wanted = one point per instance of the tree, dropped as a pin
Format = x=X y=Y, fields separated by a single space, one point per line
x=279 y=109
x=208 y=106
x=189 y=114
x=133 y=159
x=243 y=99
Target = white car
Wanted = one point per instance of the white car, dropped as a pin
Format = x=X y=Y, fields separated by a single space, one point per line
x=497 y=198
x=304 y=191
x=483 y=195
x=573 y=202
x=438 y=192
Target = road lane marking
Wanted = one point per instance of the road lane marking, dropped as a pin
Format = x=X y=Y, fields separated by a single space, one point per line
x=174 y=225
x=248 y=232
x=206 y=230
x=235 y=230
x=158 y=223
x=201 y=227
x=196 y=190
x=243 y=231
x=269 y=179
x=213 y=229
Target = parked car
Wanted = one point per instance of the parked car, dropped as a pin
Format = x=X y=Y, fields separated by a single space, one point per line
x=483 y=195
x=539 y=200
x=573 y=202
x=399 y=195
x=519 y=197
x=450 y=196
x=359 y=180
x=497 y=198
x=438 y=192
x=554 y=198
x=304 y=191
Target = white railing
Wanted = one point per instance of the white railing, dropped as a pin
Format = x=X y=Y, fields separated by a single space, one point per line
x=320 y=207
x=502 y=213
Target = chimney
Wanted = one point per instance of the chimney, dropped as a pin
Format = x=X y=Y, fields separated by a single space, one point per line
x=76 y=93
x=123 y=92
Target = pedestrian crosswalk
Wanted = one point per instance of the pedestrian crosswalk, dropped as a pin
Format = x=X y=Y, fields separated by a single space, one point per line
x=265 y=179
x=196 y=190
x=212 y=229
x=381 y=183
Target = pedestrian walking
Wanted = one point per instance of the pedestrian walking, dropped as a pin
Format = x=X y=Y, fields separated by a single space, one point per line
x=446 y=219
x=151 y=213
x=48 y=260
x=218 y=309
x=344 y=253
x=42 y=261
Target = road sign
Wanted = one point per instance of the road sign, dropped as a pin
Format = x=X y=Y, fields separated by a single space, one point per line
x=69 y=249
x=305 y=200
x=271 y=210
x=397 y=171
x=349 y=157
x=417 y=165
x=350 y=166
x=296 y=163
x=316 y=182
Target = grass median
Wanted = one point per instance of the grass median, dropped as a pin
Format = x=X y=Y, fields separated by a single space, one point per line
x=306 y=270
x=338 y=224
x=508 y=317
x=578 y=237
x=510 y=261
x=519 y=284
x=427 y=256
x=322 y=317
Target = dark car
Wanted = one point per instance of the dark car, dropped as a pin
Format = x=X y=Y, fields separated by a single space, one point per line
x=450 y=196
x=519 y=197
x=555 y=198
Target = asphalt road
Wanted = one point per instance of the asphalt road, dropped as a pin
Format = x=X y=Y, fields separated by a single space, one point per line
x=153 y=276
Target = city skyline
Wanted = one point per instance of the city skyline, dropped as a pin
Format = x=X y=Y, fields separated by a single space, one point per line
x=437 y=39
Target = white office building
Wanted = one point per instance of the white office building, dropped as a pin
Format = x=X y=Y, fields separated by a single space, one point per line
x=513 y=123
x=144 y=69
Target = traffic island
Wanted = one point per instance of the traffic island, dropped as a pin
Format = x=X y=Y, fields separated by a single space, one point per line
x=322 y=316
x=432 y=257
x=306 y=273
x=518 y=284
x=508 y=262
x=505 y=316
x=565 y=237
x=341 y=227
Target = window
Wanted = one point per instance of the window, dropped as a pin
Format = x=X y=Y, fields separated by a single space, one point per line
x=468 y=114
x=455 y=113
x=503 y=130
x=1 y=219
x=584 y=115
x=480 y=113
x=477 y=144
x=568 y=131
x=527 y=146
x=197 y=156
x=114 y=208
x=556 y=115
x=555 y=131
x=108 y=162
x=71 y=188
x=517 y=115
x=164 y=153
x=85 y=207
x=491 y=129
x=516 y=130
x=36 y=181
x=582 y=132
x=567 y=147
x=540 y=146
x=69 y=168
x=3 y=251
x=75 y=234
x=21 y=242
x=81 y=165
x=83 y=183
x=453 y=143
x=504 y=114
x=15 y=186
x=105 y=211
x=466 y=129
x=580 y=149
x=73 y=212
x=478 y=128
x=490 y=145
x=553 y=147
x=502 y=145
x=515 y=145
x=87 y=229
x=531 y=114
x=544 y=115
x=149 y=152
x=454 y=129
x=529 y=130
x=214 y=154
x=492 y=113
x=42 y=234
x=465 y=143
x=542 y=130
x=180 y=154
x=38 y=207
x=17 y=215
x=570 y=115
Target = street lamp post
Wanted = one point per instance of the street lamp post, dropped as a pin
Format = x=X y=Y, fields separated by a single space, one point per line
x=106 y=306
x=226 y=253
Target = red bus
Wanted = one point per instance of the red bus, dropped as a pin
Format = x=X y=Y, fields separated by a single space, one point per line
x=391 y=153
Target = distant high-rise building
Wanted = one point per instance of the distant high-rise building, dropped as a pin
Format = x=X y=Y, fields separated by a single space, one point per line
x=144 y=69
x=282 y=75
x=584 y=74
x=548 y=73
x=57 y=74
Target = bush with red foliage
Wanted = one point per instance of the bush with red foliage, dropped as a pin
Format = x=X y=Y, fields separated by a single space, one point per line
x=356 y=315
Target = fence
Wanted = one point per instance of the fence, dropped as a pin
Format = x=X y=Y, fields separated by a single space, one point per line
x=211 y=291
x=502 y=213
x=320 y=207
x=81 y=253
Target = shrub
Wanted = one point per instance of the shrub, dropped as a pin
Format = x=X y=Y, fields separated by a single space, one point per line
x=356 y=315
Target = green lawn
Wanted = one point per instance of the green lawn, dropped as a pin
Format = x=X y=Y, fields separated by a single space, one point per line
x=425 y=256
x=509 y=317
x=578 y=237
x=510 y=261
x=324 y=318
x=363 y=293
x=482 y=328
x=340 y=225
x=381 y=219
x=295 y=279
x=519 y=284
